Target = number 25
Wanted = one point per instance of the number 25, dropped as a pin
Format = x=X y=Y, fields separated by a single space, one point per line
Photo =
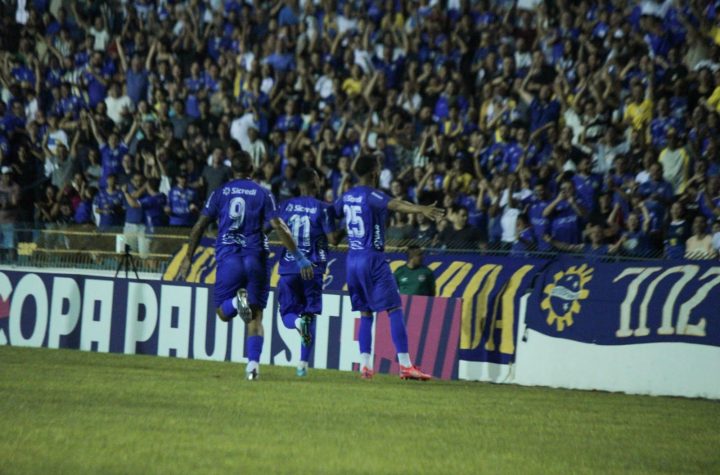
x=355 y=225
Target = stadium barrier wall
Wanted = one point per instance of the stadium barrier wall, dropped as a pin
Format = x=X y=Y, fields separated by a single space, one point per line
x=645 y=328
x=105 y=314
x=490 y=288
x=641 y=328
x=598 y=312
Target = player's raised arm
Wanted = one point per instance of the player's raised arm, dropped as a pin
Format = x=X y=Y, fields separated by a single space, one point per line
x=430 y=212
x=306 y=270
x=329 y=225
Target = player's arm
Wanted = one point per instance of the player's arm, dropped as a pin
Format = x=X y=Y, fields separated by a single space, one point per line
x=283 y=232
x=195 y=235
x=329 y=226
x=431 y=212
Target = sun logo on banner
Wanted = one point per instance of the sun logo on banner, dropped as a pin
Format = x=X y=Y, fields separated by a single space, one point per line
x=563 y=296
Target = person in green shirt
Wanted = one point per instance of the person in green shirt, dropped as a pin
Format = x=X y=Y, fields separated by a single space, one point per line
x=415 y=278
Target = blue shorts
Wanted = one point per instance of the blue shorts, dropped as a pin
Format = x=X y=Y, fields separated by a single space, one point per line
x=296 y=295
x=371 y=283
x=250 y=272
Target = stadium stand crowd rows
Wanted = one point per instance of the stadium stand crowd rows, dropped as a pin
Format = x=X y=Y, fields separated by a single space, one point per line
x=586 y=126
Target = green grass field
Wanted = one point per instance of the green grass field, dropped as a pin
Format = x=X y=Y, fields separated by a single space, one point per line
x=64 y=411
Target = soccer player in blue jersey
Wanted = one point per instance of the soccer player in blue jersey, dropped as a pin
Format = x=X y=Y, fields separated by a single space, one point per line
x=312 y=225
x=370 y=281
x=242 y=283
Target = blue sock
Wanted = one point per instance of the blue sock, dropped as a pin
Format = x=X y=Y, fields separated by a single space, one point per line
x=365 y=334
x=305 y=350
x=289 y=320
x=398 y=332
x=254 y=347
x=228 y=308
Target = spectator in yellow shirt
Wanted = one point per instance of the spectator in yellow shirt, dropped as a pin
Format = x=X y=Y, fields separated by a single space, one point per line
x=353 y=85
x=713 y=101
x=457 y=180
x=638 y=111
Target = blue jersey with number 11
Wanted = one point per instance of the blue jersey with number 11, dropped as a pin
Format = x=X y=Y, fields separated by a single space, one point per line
x=365 y=211
x=309 y=221
x=242 y=208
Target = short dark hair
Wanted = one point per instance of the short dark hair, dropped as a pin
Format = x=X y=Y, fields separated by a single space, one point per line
x=306 y=176
x=242 y=162
x=234 y=146
x=456 y=208
x=154 y=183
x=365 y=165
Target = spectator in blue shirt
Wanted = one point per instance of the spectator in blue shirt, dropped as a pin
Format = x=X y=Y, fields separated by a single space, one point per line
x=565 y=213
x=593 y=251
x=134 y=230
x=525 y=242
x=542 y=109
x=656 y=188
x=112 y=152
x=137 y=77
x=153 y=204
x=109 y=205
x=182 y=203
x=678 y=231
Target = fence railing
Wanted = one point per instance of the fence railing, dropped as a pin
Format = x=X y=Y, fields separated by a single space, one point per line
x=85 y=247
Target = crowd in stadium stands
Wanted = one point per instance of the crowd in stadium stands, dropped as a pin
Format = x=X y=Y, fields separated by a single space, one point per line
x=586 y=126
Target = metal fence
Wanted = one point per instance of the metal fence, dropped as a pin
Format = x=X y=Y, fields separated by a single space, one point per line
x=84 y=247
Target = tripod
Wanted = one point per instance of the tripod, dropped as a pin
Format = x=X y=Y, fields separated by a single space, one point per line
x=126 y=261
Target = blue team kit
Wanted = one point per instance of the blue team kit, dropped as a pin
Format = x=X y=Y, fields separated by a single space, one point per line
x=310 y=221
x=242 y=209
x=371 y=283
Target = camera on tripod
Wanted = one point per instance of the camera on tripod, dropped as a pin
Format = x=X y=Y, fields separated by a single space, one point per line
x=127 y=261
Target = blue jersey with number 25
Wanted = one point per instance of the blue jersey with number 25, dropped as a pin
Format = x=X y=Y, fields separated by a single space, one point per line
x=242 y=208
x=365 y=211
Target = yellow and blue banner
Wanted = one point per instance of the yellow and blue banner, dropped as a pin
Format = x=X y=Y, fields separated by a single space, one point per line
x=490 y=289
x=628 y=303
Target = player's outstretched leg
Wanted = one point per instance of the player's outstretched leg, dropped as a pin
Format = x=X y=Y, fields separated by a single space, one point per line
x=301 y=324
x=254 y=345
x=400 y=340
x=365 y=341
x=307 y=328
x=305 y=325
x=236 y=306
x=291 y=321
x=243 y=308
x=306 y=322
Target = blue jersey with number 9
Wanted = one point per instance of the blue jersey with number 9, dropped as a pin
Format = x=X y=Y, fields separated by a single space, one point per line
x=242 y=208
x=365 y=211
